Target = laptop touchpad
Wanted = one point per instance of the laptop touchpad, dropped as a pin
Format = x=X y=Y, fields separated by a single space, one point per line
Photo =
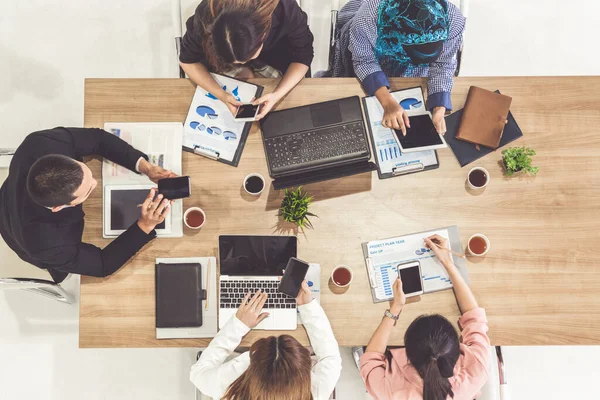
x=325 y=115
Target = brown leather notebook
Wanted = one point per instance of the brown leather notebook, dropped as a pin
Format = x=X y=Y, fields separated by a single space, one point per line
x=484 y=117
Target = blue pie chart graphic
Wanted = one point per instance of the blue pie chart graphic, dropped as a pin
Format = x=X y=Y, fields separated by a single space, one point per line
x=409 y=103
x=197 y=125
x=214 y=129
x=228 y=135
x=207 y=112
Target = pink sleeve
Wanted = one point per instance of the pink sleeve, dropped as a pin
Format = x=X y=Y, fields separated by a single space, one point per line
x=373 y=369
x=474 y=327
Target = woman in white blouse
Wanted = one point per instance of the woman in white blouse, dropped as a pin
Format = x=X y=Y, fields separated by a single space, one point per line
x=275 y=368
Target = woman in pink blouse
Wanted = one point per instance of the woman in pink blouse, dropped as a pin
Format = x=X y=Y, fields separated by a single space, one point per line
x=434 y=365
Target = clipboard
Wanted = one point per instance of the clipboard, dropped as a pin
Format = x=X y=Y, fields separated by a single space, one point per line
x=207 y=151
x=455 y=244
x=411 y=168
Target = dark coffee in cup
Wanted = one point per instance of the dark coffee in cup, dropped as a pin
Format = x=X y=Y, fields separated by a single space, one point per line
x=478 y=178
x=254 y=184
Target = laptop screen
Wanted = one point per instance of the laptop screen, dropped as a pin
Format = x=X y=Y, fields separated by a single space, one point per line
x=255 y=255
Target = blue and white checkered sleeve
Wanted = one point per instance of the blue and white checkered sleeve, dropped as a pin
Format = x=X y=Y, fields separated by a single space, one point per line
x=441 y=72
x=363 y=37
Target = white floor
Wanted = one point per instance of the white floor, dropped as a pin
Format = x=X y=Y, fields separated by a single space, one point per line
x=48 y=48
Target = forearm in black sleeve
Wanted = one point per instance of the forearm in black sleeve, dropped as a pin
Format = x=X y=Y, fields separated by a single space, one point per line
x=94 y=141
x=90 y=260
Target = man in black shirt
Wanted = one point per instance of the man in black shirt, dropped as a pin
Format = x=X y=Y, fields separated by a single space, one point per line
x=41 y=216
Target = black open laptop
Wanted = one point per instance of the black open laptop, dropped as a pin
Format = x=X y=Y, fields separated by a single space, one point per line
x=316 y=142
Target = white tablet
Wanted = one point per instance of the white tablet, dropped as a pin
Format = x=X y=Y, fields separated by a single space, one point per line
x=421 y=135
x=121 y=209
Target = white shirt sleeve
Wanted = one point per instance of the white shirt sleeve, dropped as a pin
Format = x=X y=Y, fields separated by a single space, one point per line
x=137 y=164
x=211 y=374
x=326 y=372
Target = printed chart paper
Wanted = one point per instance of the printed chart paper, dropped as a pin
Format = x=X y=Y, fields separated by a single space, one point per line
x=161 y=141
x=210 y=126
x=387 y=151
x=387 y=254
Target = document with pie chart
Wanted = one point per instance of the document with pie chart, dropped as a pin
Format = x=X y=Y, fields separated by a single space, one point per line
x=210 y=129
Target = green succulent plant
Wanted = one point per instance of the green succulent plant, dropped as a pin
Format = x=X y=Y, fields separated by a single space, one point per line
x=294 y=207
x=518 y=159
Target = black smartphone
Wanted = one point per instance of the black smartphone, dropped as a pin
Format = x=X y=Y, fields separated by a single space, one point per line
x=294 y=274
x=246 y=113
x=175 y=188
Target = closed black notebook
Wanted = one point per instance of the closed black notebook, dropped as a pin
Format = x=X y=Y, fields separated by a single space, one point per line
x=179 y=295
x=466 y=152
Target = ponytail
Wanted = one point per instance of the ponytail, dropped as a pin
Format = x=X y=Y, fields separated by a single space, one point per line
x=435 y=386
x=433 y=348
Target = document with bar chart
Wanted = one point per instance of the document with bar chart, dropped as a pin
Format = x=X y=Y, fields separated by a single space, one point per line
x=390 y=160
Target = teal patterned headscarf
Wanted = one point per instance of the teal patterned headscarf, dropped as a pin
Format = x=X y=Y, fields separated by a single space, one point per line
x=421 y=26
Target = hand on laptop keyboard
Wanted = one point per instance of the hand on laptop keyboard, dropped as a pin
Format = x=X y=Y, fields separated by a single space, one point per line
x=250 y=310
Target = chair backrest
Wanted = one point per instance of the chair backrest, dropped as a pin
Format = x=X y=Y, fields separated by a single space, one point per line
x=11 y=266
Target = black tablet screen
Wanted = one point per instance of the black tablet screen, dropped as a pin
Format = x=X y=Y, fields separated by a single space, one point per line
x=421 y=133
x=124 y=210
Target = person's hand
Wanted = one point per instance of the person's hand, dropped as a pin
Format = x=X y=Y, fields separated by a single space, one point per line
x=394 y=116
x=250 y=309
x=399 y=297
x=434 y=243
x=154 y=172
x=439 y=120
x=154 y=211
x=230 y=101
x=304 y=295
x=266 y=102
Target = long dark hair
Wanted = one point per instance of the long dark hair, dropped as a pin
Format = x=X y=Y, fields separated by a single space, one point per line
x=233 y=30
x=279 y=370
x=432 y=347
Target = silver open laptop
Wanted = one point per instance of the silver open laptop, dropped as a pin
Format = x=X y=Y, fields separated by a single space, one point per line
x=249 y=263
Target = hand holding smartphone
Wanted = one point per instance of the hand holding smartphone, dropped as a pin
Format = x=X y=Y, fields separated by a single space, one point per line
x=294 y=275
x=410 y=275
x=246 y=112
x=175 y=188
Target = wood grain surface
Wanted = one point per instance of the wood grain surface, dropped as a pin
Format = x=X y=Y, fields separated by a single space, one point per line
x=540 y=282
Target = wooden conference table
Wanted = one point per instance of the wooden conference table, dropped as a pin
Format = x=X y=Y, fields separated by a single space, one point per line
x=540 y=282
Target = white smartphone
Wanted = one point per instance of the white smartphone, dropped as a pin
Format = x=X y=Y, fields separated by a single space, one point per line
x=246 y=113
x=411 y=276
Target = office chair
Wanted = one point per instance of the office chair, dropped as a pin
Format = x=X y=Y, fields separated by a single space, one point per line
x=41 y=287
x=463 y=6
x=15 y=274
x=177 y=31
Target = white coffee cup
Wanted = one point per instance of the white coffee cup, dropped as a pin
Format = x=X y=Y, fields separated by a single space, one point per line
x=487 y=176
x=185 y=215
x=346 y=268
x=487 y=245
x=250 y=176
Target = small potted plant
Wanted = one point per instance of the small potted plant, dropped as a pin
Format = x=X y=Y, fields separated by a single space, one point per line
x=294 y=207
x=518 y=159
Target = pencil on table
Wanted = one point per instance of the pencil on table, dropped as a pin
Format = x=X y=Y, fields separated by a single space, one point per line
x=450 y=250
x=207 y=284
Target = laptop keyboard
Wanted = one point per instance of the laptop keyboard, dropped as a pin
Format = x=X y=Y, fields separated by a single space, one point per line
x=341 y=142
x=233 y=292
